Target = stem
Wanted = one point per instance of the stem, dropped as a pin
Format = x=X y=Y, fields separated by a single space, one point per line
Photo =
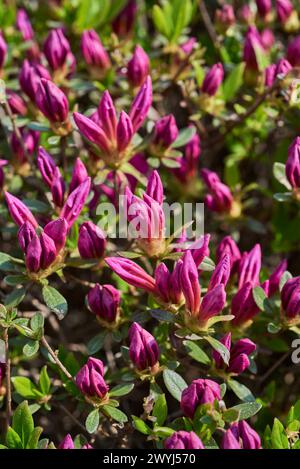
x=56 y=359
x=209 y=26
x=8 y=382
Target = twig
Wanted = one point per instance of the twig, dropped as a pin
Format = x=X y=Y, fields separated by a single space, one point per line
x=56 y=359
x=209 y=26
x=8 y=382
x=274 y=367
x=72 y=417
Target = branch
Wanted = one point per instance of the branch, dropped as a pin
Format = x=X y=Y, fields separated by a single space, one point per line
x=209 y=26
x=56 y=359
x=8 y=381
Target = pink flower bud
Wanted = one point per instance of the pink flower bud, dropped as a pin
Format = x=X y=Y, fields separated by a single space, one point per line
x=241 y=436
x=229 y=246
x=123 y=23
x=220 y=198
x=107 y=116
x=213 y=79
x=293 y=52
x=230 y=441
x=16 y=103
x=91 y=241
x=292 y=167
x=243 y=306
x=24 y=25
x=57 y=188
x=29 y=78
x=92 y=131
x=200 y=249
x=138 y=67
x=155 y=188
x=200 y=391
x=239 y=360
x=290 y=298
x=141 y=104
x=267 y=38
x=57 y=230
x=51 y=101
x=90 y=381
x=143 y=349
x=270 y=75
x=183 y=440
x=104 y=302
x=18 y=211
x=93 y=51
x=221 y=273
x=284 y=9
x=30 y=140
x=67 y=443
x=131 y=273
x=225 y=16
x=46 y=166
x=25 y=235
x=283 y=67
x=79 y=175
x=3 y=50
x=212 y=303
x=190 y=284
x=124 y=131
x=56 y=49
x=275 y=277
x=75 y=202
x=264 y=7
x=250 y=265
x=252 y=44
x=165 y=131
x=168 y=284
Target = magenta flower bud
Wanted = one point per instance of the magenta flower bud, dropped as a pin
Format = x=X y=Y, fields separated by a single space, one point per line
x=107 y=116
x=18 y=211
x=168 y=285
x=250 y=265
x=274 y=279
x=225 y=16
x=141 y=104
x=30 y=76
x=200 y=249
x=93 y=51
x=183 y=440
x=264 y=7
x=124 y=131
x=104 y=302
x=67 y=443
x=249 y=437
x=221 y=273
x=293 y=52
x=143 y=348
x=284 y=9
x=25 y=235
x=3 y=50
x=34 y=254
x=123 y=23
x=252 y=43
x=200 y=391
x=56 y=48
x=220 y=198
x=24 y=25
x=165 y=131
x=131 y=273
x=239 y=353
x=46 y=166
x=226 y=341
x=230 y=441
x=155 y=188
x=267 y=38
x=16 y=103
x=138 y=67
x=90 y=381
x=51 y=101
x=57 y=188
x=290 y=298
x=2 y=163
x=91 y=241
x=246 y=14
x=292 y=167
x=283 y=67
x=48 y=254
x=243 y=306
x=2 y=373
x=213 y=79
x=30 y=139
x=79 y=175
x=92 y=132
x=57 y=230
x=212 y=303
x=229 y=246
x=270 y=75
x=190 y=284
x=75 y=202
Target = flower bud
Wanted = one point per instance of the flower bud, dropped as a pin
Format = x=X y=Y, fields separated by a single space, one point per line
x=138 y=67
x=3 y=50
x=243 y=306
x=2 y=163
x=24 y=25
x=183 y=440
x=274 y=279
x=93 y=51
x=165 y=131
x=104 y=302
x=155 y=188
x=51 y=101
x=221 y=273
x=246 y=14
x=267 y=38
x=123 y=23
x=18 y=211
x=108 y=117
x=67 y=443
x=57 y=230
x=25 y=235
x=250 y=265
x=91 y=241
x=264 y=7
x=16 y=103
x=290 y=298
x=79 y=175
x=284 y=9
x=190 y=284
x=225 y=17
x=292 y=167
x=131 y=273
x=75 y=202
x=168 y=284
x=92 y=131
x=241 y=436
x=239 y=353
x=30 y=140
x=213 y=79
x=141 y=104
x=46 y=166
x=29 y=78
x=252 y=44
x=124 y=131
x=200 y=391
x=212 y=303
x=270 y=75
x=57 y=188
x=143 y=349
x=220 y=198
x=56 y=49
x=90 y=381
x=293 y=52
x=230 y=441
x=229 y=246
x=283 y=67
x=200 y=249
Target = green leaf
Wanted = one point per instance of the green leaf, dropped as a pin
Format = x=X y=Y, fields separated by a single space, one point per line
x=13 y=440
x=247 y=410
x=261 y=57
x=241 y=391
x=184 y=136
x=92 y=421
x=175 y=384
x=39 y=126
x=55 y=301
x=115 y=414
x=31 y=348
x=284 y=278
x=13 y=280
x=96 y=343
x=37 y=322
x=278 y=436
x=161 y=315
x=233 y=82
x=36 y=206
x=23 y=422
x=25 y=387
x=34 y=438
x=141 y=426
x=283 y=196
x=231 y=415
x=121 y=390
x=207 y=264
x=160 y=409
x=259 y=296
x=44 y=381
x=14 y=298
x=161 y=21
x=196 y=352
x=170 y=163
x=219 y=347
x=279 y=174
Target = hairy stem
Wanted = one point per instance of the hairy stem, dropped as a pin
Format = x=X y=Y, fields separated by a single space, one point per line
x=56 y=359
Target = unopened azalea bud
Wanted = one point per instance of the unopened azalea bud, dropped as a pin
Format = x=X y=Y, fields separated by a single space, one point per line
x=240 y=436
x=220 y=198
x=104 y=302
x=79 y=175
x=138 y=67
x=90 y=380
x=290 y=298
x=270 y=75
x=2 y=373
x=183 y=440
x=283 y=67
x=243 y=306
x=40 y=253
x=293 y=52
x=30 y=76
x=124 y=131
x=221 y=273
x=18 y=211
x=274 y=279
x=57 y=188
x=155 y=188
x=230 y=440
x=107 y=116
x=3 y=50
x=92 y=132
x=91 y=241
x=2 y=163
x=24 y=25
x=292 y=167
x=213 y=79
x=141 y=104
x=67 y=443
x=131 y=273
x=57 y=230
x=225 y=17
x=200 y=391
x=143 y=349
x=30 y=140
x=190 y=284
x=246 y=14
x=16 y=103
x=93 y=51
x=56 y=49
x=165 y=131
x=75 y=202
x=51 y=101
x=229 y=246
x=46 y=166
x=212 y=304
x=168 y=284
x=200 y=249
x=284 y=9
x=267 y=38
x=252 y=44
x=239 y=353
x=123 y=23
x=264 y=7
x=250 y=265
x=25 y=235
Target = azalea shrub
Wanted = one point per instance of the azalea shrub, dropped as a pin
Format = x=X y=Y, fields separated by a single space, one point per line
x=121 y=327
